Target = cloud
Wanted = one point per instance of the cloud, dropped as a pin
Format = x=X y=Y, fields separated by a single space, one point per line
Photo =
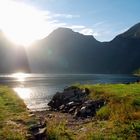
x=68 y=16
x=76 y=26
x=89 y=31
x=29 y=23
x=99 y=24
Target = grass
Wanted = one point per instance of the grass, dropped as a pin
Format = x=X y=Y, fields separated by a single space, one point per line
x=59 y=131
x=118 y=119
x=13 y=116
x=122 y=109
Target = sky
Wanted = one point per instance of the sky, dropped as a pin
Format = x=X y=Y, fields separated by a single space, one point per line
x=24 y=21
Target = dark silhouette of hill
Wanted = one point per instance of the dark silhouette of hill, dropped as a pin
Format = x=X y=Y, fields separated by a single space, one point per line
x=12 y=58
x=124 y=51
x=66 y=51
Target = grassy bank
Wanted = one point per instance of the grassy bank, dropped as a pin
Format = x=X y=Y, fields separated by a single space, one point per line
x=118 y=119
x=14 y=117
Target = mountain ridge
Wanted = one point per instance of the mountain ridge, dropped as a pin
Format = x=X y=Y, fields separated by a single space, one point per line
x=66 y=51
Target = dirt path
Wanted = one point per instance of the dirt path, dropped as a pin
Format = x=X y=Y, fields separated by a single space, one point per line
x=75 y=125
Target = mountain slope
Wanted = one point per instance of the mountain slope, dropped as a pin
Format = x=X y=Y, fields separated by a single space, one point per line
x=66 y=51
x=133 y=32
x=125 y=49
x=13 y=58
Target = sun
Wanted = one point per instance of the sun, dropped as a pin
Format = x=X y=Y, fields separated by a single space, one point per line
x=21 y=23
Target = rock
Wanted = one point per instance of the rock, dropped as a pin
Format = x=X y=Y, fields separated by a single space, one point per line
x=34 y=127
x=61 y=107
x=31 y=115
x=50 y=115
x=72 y=110
x=76 y=113
x=88 y=108
x=38 y=131
x=70 y=94
x=41 y=134
x=70 y=105
x=74 y=100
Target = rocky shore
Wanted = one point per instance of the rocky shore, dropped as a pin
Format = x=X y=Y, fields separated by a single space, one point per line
x=75 y=101
x=71 y=104
x=93 y=112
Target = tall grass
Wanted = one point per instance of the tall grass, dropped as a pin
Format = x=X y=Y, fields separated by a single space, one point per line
x=13 y=115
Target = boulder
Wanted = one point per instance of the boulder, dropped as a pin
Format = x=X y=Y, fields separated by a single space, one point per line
x=38 y=130
x=88 y=108
x=70 y=94
x=69 y=107
x=74 y=100
x=41 y=134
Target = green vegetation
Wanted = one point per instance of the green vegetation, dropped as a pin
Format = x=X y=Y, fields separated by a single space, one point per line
x=59 y=131
x=118 y=119
x=13 y=116
x=103 y=113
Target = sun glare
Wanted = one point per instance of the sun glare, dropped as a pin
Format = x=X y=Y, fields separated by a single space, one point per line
x=20 y=76
x=23 y=93
x=21 y=23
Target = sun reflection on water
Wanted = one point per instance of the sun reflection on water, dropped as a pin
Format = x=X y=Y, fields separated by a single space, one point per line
x=20 y=76
x=23 y=93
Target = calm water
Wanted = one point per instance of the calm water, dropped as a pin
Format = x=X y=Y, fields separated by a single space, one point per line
x=37 y=89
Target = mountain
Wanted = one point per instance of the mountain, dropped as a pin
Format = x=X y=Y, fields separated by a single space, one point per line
x=12 y=58
x=66 y=51
x=133 y=32
x=124 y=49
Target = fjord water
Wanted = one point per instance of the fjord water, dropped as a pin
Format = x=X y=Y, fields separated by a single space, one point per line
x=37 y=89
